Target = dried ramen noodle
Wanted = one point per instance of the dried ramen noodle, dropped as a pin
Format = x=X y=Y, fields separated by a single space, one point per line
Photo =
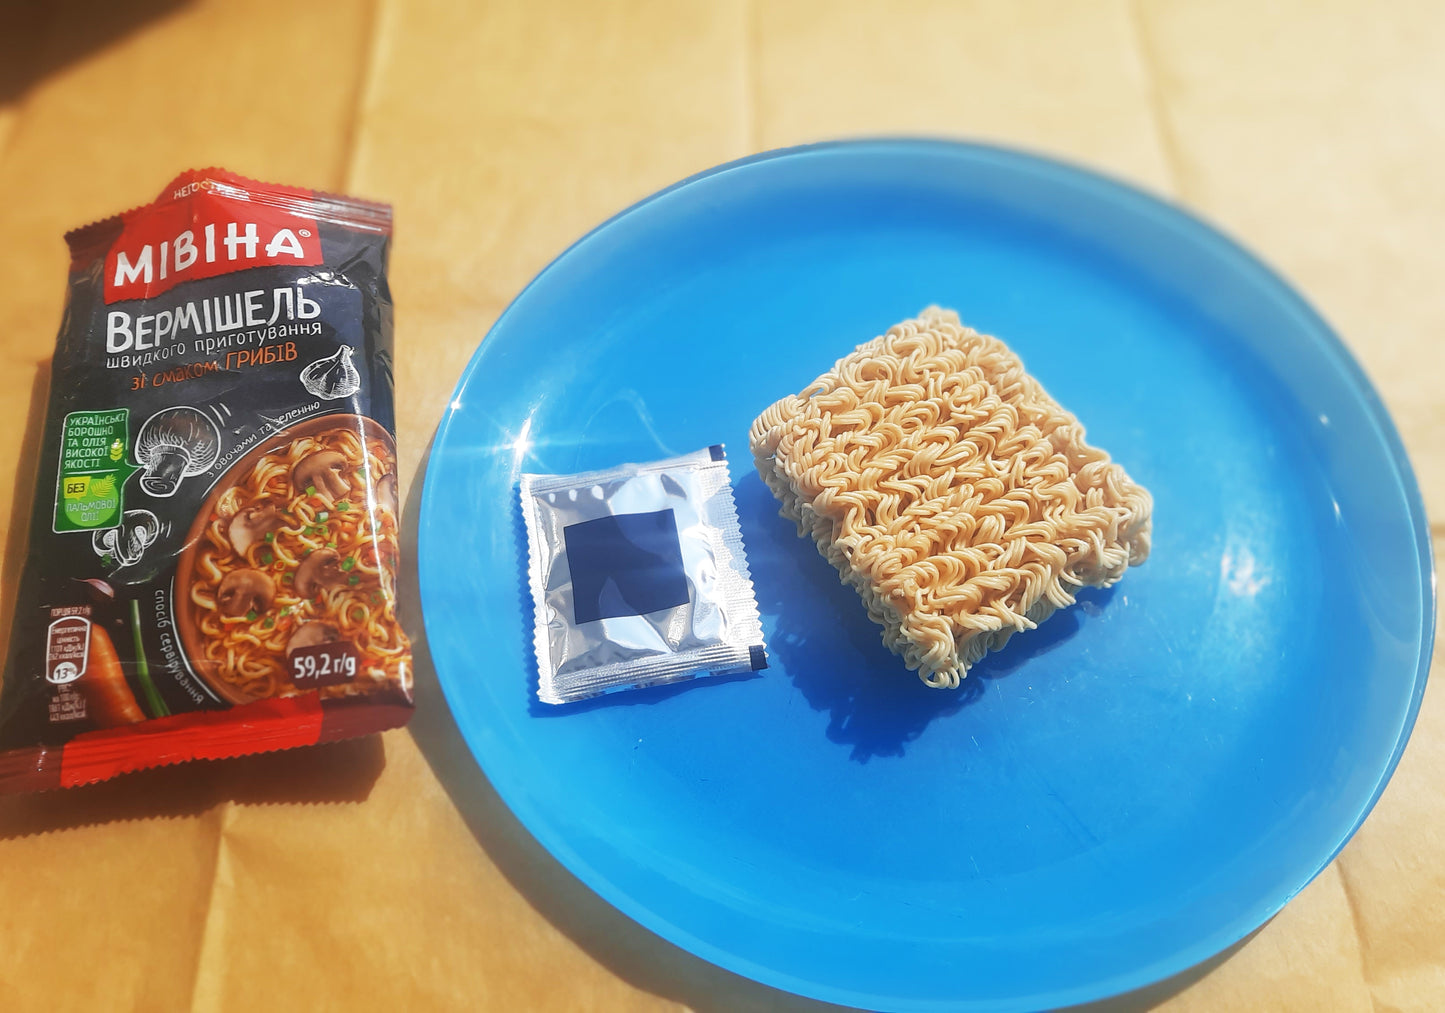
x=949 y=490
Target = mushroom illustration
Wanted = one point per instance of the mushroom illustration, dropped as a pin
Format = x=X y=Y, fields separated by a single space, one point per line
x=312 y=635
x=174 y=443
x=318 y=571
x=245 y=591
x=127 y=543
x=324 y=471
x=105 y=543
x=251 y=524
x=386 y=493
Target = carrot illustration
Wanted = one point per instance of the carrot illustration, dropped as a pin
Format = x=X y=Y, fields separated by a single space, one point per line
x=108 y=698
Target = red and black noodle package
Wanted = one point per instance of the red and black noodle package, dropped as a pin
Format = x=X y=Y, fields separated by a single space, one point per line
x=213 y=547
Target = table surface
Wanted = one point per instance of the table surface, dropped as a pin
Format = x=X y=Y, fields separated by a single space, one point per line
x=384 y=872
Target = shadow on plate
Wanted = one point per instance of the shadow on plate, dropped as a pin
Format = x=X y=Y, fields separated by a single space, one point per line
x=835 y=655
x=824 y=641
x=633 y=953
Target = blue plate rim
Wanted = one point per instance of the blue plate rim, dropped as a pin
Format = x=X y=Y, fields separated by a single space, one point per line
x=1133 y=198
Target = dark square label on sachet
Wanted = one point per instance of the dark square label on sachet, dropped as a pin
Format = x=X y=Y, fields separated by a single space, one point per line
x=625 y=565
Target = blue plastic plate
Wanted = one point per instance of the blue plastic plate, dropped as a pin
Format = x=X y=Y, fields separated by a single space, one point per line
x=1121 y=794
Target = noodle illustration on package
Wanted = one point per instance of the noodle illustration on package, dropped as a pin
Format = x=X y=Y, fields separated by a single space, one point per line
x=214 y=542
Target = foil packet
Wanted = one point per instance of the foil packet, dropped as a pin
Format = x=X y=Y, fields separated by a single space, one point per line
x=638 y=577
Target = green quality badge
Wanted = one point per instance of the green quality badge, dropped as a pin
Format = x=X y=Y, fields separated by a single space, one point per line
x=93 y=470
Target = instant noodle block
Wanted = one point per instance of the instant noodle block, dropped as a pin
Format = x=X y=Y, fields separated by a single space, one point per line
x=214 y=543
x=949 y=490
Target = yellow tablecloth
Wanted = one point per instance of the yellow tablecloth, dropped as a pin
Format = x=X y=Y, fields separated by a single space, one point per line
x=383 y=873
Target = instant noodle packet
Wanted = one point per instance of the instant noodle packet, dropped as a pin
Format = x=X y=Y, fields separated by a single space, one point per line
x=213 y=546
x=638 y=577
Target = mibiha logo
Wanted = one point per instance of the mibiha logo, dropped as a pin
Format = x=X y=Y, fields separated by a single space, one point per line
x=204 y=229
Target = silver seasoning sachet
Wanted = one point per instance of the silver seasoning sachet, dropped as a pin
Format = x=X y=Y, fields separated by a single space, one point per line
x=638 y=577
